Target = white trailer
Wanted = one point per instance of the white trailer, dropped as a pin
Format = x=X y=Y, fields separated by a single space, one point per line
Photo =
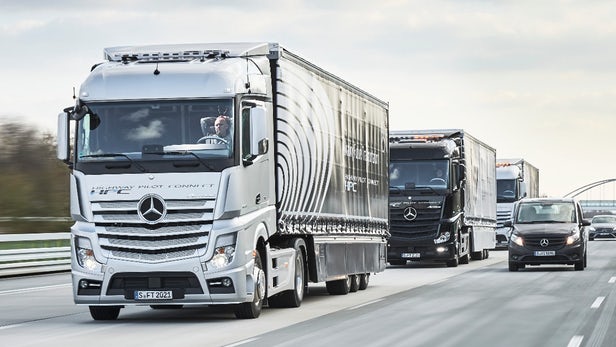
x=170 y=212
x=515 y=179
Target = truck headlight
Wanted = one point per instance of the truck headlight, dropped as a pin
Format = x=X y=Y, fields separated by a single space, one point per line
x=224 y=251
x=222 y=256
x=443 y=237
x=85 y=255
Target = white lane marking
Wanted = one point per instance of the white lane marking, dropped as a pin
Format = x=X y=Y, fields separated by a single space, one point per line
x=34 y=289
x=612 y=280
x=11 y=326
x=242 y=342
x=597 y=302
x=365 y=304
x=575 y=341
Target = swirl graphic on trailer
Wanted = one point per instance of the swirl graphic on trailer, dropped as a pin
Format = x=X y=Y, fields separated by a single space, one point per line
x=305 y=139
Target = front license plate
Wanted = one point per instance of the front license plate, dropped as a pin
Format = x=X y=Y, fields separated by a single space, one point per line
x=410 y=255
x=153 y=295
x=544 y=253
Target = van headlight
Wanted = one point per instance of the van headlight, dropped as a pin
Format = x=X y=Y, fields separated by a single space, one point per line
x=574 y=237
x=517 y=239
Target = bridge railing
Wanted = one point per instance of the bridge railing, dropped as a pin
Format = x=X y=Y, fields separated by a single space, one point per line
x=31 y=260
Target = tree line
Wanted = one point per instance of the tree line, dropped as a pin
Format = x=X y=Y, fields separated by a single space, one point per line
x=33 y=182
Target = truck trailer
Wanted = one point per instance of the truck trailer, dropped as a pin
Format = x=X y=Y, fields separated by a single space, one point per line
x=515 y=179
x=170 y=210
x=442 y=197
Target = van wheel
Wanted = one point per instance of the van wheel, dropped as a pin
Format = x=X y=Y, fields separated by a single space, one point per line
x=579 y=266
x=249 y=310
x=513 y=267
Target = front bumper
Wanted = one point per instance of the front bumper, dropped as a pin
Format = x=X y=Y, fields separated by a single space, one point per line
x=566 y=255
x=422 y=251
x=120 y=280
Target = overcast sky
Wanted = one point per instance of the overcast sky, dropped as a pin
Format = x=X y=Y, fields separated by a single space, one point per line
x=533 y=79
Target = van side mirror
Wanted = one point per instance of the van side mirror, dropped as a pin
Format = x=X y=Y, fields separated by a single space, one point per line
x=585 y=222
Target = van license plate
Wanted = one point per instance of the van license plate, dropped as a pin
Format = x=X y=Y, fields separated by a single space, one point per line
x=544 y=253
x=153 y=295
x=410 y=255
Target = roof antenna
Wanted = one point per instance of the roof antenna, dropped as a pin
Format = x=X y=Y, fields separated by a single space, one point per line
x=156 y=72
x=247 y=85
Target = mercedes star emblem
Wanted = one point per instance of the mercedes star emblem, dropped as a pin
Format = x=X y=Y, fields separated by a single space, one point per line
x=409 y=214
x=152 y=209
x=544 y=242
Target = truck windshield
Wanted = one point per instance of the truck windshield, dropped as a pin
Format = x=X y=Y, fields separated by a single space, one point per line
x=506 y=191
x=117 y=130
x=419 y=174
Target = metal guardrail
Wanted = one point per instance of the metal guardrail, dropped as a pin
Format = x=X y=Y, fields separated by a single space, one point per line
x=34 y=260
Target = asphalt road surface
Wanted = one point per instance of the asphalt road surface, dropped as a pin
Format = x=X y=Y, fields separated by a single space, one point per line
x=479 y=304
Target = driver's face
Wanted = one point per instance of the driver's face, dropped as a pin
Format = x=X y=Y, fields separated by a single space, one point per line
x=221 y=127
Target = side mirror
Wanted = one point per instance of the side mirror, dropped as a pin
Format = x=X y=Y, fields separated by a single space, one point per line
x=585 y=222
x=259 y=143
x=508 y=223
x=63 y=148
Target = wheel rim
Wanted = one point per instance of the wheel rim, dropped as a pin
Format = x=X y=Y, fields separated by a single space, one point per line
x=260 y=285
x=299 y=276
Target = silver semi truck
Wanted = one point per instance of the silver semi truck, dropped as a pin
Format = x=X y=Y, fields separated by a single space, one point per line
x=515 y=179
x=442 y=197
x=221 y=174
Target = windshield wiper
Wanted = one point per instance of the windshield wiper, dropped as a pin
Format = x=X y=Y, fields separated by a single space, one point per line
x=110 y=155
x=183 y=153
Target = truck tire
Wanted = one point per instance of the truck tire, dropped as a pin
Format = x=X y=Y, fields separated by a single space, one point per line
x=397 y=262
x=339 y=287
x=354 y=283
x=105 y=312
x=364 y=279
x=477 y=255
x=453 y=262
x=250 y=310
x=293 y=297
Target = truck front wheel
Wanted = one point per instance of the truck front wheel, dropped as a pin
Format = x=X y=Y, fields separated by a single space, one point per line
x=105 y=312
x=294 y=297
x=249 y=310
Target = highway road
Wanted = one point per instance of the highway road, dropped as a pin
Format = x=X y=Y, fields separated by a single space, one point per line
x=479 y=304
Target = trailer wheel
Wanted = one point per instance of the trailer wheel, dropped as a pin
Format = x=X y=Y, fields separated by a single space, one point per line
x=339 y=287
x=293 y=297
x=364 y=279
x=249 y=310
x=354 y=283
x=105 y=312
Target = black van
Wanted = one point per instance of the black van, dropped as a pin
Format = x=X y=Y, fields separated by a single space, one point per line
x=547 y=231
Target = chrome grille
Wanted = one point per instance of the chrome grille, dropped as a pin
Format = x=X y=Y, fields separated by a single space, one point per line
x=424 y=226
x=183 y=232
